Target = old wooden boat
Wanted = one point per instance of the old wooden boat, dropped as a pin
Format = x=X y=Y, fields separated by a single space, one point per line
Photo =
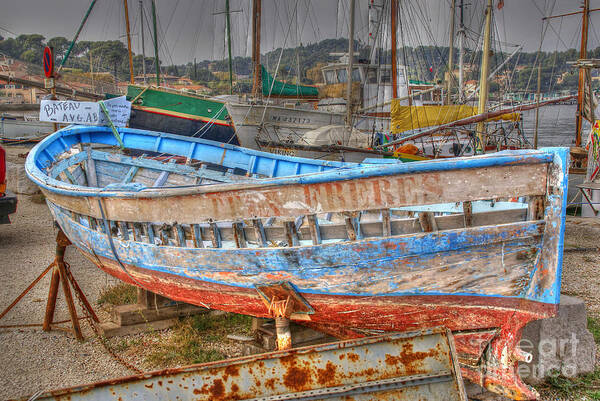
x=473 y=244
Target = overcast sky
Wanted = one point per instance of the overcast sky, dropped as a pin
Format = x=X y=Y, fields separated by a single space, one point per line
x=194 y=28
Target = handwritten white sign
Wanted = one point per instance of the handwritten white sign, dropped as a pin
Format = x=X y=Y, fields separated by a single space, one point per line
x=86 y=113
x=118 y=109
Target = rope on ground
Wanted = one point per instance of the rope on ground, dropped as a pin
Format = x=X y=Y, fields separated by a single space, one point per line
x=96 y=329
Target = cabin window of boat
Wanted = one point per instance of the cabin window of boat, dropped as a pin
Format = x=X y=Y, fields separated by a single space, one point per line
x=371 y=76
x=342 y=75
x=386 y=76
x=356 y=75
x=330 y=77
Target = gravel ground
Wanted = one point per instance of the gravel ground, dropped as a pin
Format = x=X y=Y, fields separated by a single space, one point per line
x=32 y=360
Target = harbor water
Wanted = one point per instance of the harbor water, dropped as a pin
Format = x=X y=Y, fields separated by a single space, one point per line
x=556 y=126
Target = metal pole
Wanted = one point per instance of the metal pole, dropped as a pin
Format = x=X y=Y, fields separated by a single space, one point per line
x=483 y=80
x=284 y=334
x=461 y=53
x=143 y=44
x=581 y=82
x=394 y=12
x=350 y=65
x=92 y=70
x=257 y=79
x=128 y=41
x=85 y=17
x=228 y=27
x=537 y=110
x=156 y=59
x=539 y=90
x=451 y=50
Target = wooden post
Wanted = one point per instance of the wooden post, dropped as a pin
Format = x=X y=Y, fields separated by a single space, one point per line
x=581 y=81
x=451 y=51
x=349 y=73
x=60 y=274
x=51 y=303
x=69 y=297
x=128 y=41
x=257 y=78
x=394 y=12
x=483 y=79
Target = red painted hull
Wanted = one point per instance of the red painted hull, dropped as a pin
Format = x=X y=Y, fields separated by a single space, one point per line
x=357 y=316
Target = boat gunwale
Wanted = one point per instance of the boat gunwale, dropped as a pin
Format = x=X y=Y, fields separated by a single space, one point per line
x=340 y=171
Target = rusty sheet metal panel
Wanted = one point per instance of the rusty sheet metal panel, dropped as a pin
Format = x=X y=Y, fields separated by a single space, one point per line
x=403 y=366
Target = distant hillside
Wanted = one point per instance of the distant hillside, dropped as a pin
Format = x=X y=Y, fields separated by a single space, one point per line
x=425 y=63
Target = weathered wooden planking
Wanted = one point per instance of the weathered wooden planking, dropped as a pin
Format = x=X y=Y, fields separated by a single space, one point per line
x=493 y=260
x=228 y=202
x=168 y=166
x=545 y=283
x=333 y=231
x=110 y=173
x=79 y=175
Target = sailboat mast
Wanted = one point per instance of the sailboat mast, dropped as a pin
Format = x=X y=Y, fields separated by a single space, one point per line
x=143 y=45
x=394 y=12
x=581 y=82
x=228 y=24
x=483 y=78
x=451 y=50
x=156 y=60
x=350 y=66
x=256 y=14
x=461 y=53
x=128 y=41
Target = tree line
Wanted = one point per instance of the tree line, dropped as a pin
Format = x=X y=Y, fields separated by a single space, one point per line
x=426 y=63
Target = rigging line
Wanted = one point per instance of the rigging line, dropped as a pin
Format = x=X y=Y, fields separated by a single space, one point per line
x=275 y=75
x=184 y=22
x=311 y=13
x=429 y=33
x=591 y=24
x=558 y=36
x=195 y=41
x=538 y=55
x=337 y=18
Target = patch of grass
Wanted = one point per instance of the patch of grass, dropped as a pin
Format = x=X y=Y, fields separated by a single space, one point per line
x=594 y=328
x=38 y=198
x=222 y=324
x=583 y=386
x=120 y=294
x=193 y=338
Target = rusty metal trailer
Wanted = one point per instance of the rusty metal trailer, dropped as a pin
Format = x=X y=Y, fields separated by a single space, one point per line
x=405 y=366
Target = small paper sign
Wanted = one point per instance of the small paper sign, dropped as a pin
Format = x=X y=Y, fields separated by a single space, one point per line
x=119 y=110
x=86 y=113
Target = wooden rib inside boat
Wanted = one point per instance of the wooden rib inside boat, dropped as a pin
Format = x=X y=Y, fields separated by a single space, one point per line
x=473 y=244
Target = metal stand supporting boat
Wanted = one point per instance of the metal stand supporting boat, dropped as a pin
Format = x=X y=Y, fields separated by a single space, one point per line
x=60 y=273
